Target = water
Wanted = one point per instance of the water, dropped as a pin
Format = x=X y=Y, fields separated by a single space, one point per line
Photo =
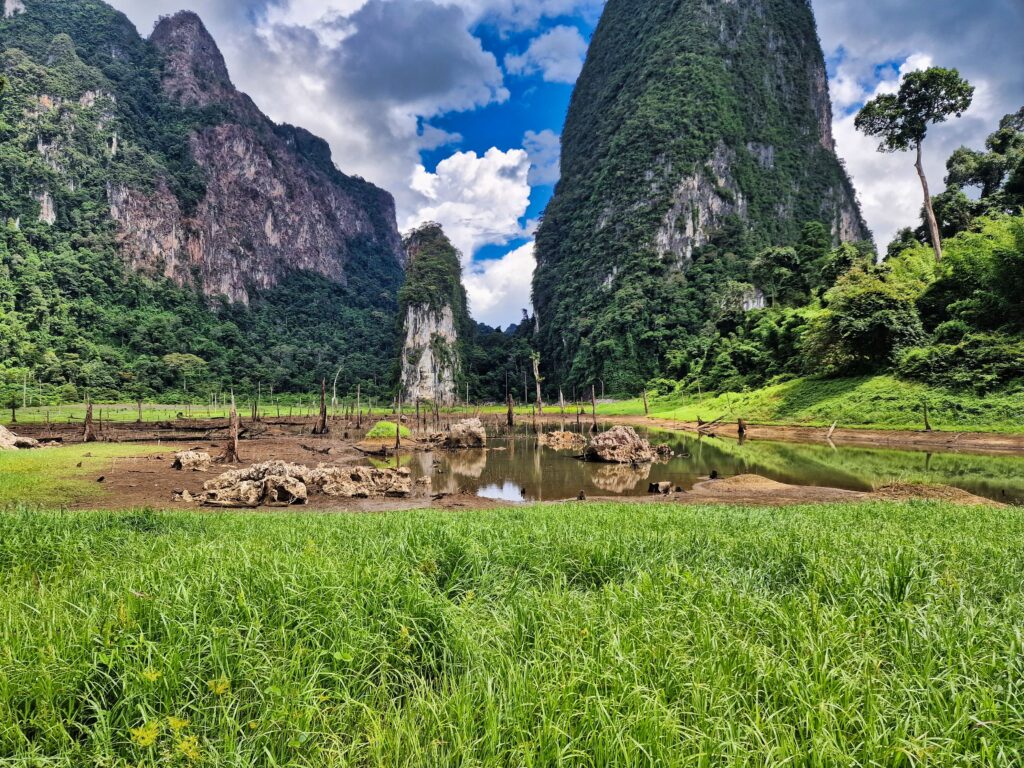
x=516 y=469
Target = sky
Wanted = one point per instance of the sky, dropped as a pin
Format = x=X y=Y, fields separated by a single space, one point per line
x=456 y=106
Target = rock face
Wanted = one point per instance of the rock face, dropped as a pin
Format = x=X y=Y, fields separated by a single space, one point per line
x=693 y=126
x=433 y=303
x=274 y=202
x=11 y=442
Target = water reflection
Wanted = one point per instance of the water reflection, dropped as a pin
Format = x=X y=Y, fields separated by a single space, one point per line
x=515 y=468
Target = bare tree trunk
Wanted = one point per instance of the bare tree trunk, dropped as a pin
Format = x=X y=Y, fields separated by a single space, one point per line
x=398 y=422
x=89 y=436
x=933 y=224
x=139 y=419
x=537 y=380
x=593 y=408
x=511 y=416
x=647 y=411
x=321 y=427
x=230 y=455
x=927 y=424
x=359 y=407
x=561 y=402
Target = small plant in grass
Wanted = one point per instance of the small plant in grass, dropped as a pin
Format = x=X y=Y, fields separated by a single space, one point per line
x=386 y=429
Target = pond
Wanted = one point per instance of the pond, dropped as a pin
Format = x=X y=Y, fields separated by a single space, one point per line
x=515 y=468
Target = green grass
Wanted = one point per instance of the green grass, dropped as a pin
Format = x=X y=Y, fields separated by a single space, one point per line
x=386 y=429
x=878 y=401
x=52 y=475
x=576 y=635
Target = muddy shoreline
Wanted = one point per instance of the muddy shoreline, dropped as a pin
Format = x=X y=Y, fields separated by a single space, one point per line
x=148 y=479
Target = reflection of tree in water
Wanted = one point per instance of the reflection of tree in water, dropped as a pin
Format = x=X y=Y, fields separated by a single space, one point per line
x=619 y=478
x=468 y=463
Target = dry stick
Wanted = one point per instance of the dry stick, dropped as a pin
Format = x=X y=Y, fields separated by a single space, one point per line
x=561 y=402
x=398 y=423
x=593 y=408
x=321 y=427
x=831 y=430
x=927 y=424
x=89 y=436
x=511 y=416
x=230 y=455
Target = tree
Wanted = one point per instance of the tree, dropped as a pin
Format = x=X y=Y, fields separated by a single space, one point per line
x=998 y=173
x=901 y=121
x=776 y=271
x=185 y=364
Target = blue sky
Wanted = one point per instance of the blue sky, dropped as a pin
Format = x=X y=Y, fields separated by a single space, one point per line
x=456 y=106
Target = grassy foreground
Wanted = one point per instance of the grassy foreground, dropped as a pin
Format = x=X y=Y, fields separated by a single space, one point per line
x=881 y=402
x=582 y=635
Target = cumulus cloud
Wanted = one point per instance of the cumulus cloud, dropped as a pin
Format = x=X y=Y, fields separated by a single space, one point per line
x=478 y=200
x=499 y=289
x=545 y=151
x=557 y=55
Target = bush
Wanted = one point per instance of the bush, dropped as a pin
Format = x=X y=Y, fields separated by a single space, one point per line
x=981 y=361
x=384 y=429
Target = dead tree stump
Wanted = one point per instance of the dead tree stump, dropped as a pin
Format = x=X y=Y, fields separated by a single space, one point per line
x=321 y=427
x=230 y=455
x=89 y=435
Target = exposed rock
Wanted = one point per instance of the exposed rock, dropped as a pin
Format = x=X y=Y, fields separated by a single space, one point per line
x=274 y=204
x=434 y=307
x=196 y=461
x=562 y=441
x=663 y=487
x=664 y=451
x=468 y=433
x=279 y=482
x=12 y=442
x=12 y=7
x=47 y=210
x=620 y=445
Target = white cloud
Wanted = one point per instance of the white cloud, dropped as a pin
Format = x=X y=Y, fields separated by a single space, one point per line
x=478 y=200
x=499 y=289
x=545 y=151
x=557 y=55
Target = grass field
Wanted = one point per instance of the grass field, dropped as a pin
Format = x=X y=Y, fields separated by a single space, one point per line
x=877 y=401
x=577 y=635
x=60 y=475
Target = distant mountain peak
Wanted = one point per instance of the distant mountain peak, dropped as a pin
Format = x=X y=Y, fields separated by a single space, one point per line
x=195 y=73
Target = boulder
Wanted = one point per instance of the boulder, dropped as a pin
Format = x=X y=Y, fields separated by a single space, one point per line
x=245 y=493
x=280 y=490
x=11 y=442
x=562 y=441
x=364 y=482
x=196 y=461
x=662 y=487
x=620 y=445
x=468 y=433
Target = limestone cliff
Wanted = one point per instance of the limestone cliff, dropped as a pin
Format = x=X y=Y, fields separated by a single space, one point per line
x=274 y=201
x=693 y=123
x=435 y=321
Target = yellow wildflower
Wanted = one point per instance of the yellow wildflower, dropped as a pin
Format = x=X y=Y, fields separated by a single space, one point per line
x=188 y=748
x=152 y=675
x=177 y=723
x=146 y=734
x=220 y=686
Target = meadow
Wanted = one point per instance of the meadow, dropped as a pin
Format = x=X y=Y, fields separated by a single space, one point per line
x=569 y=635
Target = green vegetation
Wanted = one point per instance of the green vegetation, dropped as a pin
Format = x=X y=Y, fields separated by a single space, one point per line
x=721 y=93
x=83 y=108
x=884 y=634
x=869 y=401
x=384 y=429
x=61 y=475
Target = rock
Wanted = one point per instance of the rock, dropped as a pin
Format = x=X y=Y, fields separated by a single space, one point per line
x=663 y=487
x=280 y=490
x=196 y=461
x=12 y=442
x=664 y=451
x=468 y=433
x=562 y=441
x=620 y=445
x=283 y=483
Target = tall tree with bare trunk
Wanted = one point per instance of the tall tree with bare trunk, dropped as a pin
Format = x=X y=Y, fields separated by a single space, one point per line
x=901 y=121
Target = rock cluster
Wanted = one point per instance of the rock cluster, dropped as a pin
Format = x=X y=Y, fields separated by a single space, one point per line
x=468 y=433
x=197 y=461
x=11 y=442
x=562 y=441
x=622 y=445
x=279 y=483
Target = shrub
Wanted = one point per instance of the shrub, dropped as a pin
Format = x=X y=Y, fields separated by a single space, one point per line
x=383 y=429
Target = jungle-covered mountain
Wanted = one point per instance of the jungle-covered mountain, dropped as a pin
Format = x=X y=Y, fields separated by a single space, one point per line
x=156 y=227
x=698 y=133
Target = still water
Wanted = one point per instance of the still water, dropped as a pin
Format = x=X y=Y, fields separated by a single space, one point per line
x=516 y=468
